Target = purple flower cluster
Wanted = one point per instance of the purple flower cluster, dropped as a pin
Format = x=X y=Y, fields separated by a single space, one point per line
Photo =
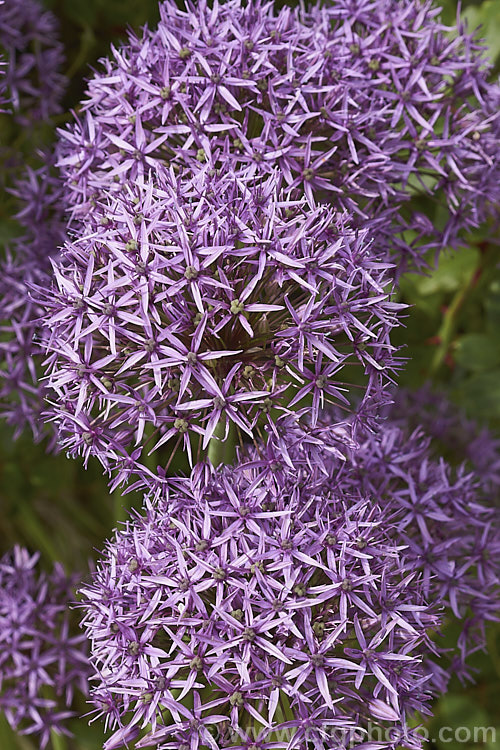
x=268 y=602
x=449 y=527
x=188 y=306
x=41 y=662
x=32 y=83
x=443 y=515
x=453 y=434
x=32 y=87
x=208 y=285
x=361 y=103
x=256 y=608
x=241 y=188
x=27 y=262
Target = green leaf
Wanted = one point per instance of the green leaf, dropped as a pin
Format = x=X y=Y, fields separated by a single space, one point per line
x=82 y=12
x=454 y=271
x=480 y=395
x=477 y=352
x=492 y=308
x=88 y=736
x=487 y=16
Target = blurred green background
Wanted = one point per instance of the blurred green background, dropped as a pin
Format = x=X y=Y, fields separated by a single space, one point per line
x=452 y=336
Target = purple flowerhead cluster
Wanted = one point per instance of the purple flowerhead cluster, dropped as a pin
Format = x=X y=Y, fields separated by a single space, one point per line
x=189 y=306
x=366 y=104
x=27 y=263
x=254 y=607
x=208 y=287
x=446 y=520
x=338 y=566
x=453 y=435
x=41 y=662
x=31 y=88
x=31 y=84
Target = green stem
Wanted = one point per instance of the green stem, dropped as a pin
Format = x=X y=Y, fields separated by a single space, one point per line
x=447 y=330
x=6 y=734
x=493 y=649
x=222 y=451
x=10 y=740
x=58 y=741
x=87 y=42
x=39 y=535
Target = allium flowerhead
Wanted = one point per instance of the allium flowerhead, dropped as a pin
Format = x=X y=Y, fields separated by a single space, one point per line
x=254 y=608
x=455 y=436
x=31 y=87
x=366 y=104
x=41 y=662
x=27 y=262
x=187 y=305
x=448 y=525
x=32 y=82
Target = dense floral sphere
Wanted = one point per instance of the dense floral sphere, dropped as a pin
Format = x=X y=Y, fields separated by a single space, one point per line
x=360 y=103
x=186 y=306
x=31 y=83
x=253 y=609
x=41 y=662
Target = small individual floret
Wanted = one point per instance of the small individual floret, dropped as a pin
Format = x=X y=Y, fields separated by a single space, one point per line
x=32 y=83
x=257 y=609
x=189 y=307
x=41 y=662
